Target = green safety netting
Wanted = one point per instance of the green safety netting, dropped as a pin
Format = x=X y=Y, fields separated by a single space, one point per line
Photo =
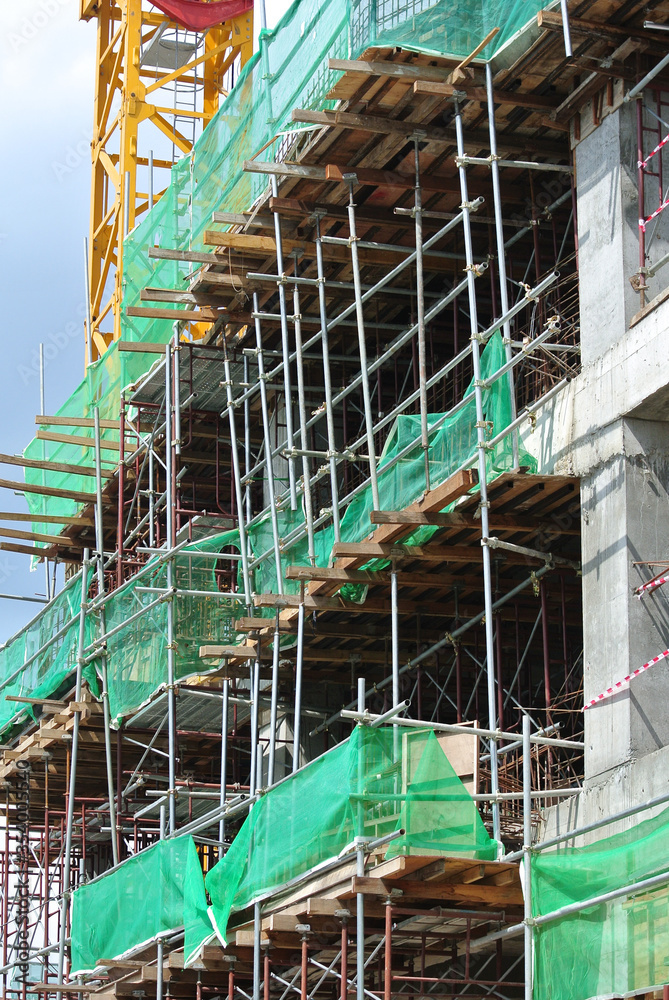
x=152 y=893
x=293 y=72
x=100 y=389
x=137 y=652
x=376 y=782
x=24 y=670
x=451 y=444
x=617 y=948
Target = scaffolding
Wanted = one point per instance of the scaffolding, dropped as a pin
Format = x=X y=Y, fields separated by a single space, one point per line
x=349 y=444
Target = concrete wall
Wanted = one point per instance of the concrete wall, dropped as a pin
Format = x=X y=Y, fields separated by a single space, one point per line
x=610 y=427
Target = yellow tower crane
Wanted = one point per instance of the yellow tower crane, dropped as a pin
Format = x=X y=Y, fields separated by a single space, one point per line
x=152 y=75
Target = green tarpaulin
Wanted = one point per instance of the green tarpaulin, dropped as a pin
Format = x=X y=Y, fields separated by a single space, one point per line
x=159 y=890
x=614 y=949
x=376 y=782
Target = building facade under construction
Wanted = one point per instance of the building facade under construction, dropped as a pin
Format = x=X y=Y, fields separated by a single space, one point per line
x=356 y=684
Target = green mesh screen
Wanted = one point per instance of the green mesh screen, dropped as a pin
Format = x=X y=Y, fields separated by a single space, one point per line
x=617 y=948
x=292 y=73
x=453 y=443
x=101 y=388
x=376 y=782
x=159 y=890
x=57 y=629
x=137 y=654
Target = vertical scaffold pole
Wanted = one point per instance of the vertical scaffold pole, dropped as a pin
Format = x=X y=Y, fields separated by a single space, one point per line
x=243 y=540
x=99 y=545
x=255 y=696
x=285 y=348
x=171 y=694
x=362 y=346
x=360 y=872
x=483 y=485
x=420 y=309
x=224 y=761
x=65 y=898
x=302 y=406
x=327 y=380
x=501 y=253
x=527 y=844
x=247 y=443
x=276 y=654
x=395 y=645
x=42 y=409
x=267 y=439
x=159 y=956
x=298 y=682
x=256 y=951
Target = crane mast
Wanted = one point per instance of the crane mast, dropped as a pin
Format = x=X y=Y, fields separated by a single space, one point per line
x=157 y=86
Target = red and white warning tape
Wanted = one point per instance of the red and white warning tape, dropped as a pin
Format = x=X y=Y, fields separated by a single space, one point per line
x=620 y=684
x=651 y=585
x=644 y=222
x=663 y=142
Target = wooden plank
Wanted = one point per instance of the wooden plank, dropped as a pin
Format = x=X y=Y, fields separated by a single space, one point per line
x=388 y=178
x=372 y=606
x=48 y=491
x=263 y=245
x=204 y=315
x=286 y=169
x=180 y=297
x=420 y=553
x=46 y=518
x=192 y=256
x=38 y=463
x=247 y=241
x=475 y=140
x=243 y=219
x=405 y=71
x=552 y=21
x=36 y=536
x=374 y=124
x=435 y=500
x=366 y=576
x=452 y=519
x=53 y=421
x=25 y=550
x=140 y=348
x=219 y=652
x=489 y=895
x=234 y=281
x=533 y=102
x=78 y=440
x=50 y=702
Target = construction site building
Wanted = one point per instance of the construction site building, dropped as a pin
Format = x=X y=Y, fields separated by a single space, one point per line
x=357 y=681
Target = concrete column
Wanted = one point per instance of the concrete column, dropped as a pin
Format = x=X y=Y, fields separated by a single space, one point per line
x=625 y=500
x=608 y=230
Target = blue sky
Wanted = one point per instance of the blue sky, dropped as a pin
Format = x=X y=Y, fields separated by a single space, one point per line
x=47 y=59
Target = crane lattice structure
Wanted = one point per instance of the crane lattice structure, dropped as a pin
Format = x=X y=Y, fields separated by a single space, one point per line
x=153 y=76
